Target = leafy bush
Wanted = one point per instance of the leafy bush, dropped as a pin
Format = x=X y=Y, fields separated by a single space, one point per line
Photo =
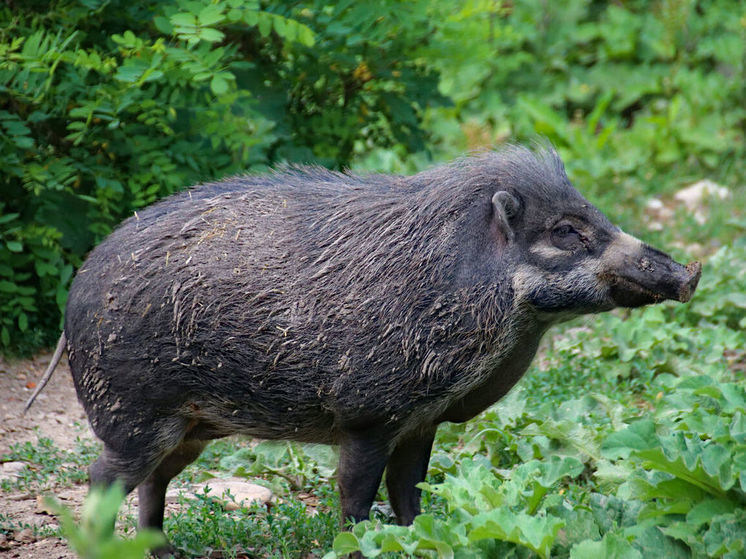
x=638 y=97
x=107 y=105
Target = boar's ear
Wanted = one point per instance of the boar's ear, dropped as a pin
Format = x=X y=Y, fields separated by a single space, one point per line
x=505 y=206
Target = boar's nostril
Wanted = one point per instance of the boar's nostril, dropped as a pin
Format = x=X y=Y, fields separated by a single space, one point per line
x=687 y=289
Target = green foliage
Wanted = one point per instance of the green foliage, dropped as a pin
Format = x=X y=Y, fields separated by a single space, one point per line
x=107 y=106
x=639 y=98
x=308 y=463
x=481 y=510
x=47 y=464
x=621 y=89
x=9 y=524
x=93 y=537
x=203 y=525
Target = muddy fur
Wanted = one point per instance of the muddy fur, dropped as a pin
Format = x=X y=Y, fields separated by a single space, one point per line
x=284 y=306
x=321 y=306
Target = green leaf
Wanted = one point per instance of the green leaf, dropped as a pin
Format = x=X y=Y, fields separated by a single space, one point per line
x=640 y=435
x=218 y=84
x=163 y=25
x=611 y=546
x=536 y=533
x=8 y=286
x=704 y=512
x=306 y=36
x=8 y=217
x=211 y=35
x=692 y=473
x=14 y=246
x=210 y=15
x=184 y=20
x=345 y=542
x=132 y=70
x=264 y=21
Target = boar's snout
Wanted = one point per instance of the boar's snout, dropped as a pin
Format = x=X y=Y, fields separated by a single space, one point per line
x=638 y=274
x=694 y=271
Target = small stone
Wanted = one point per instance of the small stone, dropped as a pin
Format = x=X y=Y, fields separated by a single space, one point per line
x=11 y=470
x=41 y=506
x=243 y=493
x=25 y=536
x=693 y=195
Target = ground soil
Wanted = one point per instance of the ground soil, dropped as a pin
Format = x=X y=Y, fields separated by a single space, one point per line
x=56 y=415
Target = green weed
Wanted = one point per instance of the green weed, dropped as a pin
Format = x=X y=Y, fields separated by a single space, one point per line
x=47 y=464
x=93 y=537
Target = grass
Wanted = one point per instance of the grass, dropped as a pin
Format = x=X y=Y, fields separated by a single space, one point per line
x=9 y=526
x=48 y=465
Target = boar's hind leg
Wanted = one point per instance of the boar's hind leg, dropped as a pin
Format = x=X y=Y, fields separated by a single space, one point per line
x=361 y=463
x=127 y=468
x=152 y=492
x=405 y=469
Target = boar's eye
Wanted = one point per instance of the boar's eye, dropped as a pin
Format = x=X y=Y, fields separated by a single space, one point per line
x=565 y=236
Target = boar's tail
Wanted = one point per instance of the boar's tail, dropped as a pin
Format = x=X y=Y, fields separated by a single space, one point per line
x=48 y=373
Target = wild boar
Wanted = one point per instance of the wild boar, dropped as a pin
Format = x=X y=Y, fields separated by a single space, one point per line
x=317 y=306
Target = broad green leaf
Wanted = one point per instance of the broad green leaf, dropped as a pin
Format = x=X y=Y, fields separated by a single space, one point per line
x=264 y=21
x=693 y=473
x=536 y=533
x=218 y=84
x=640 y=435
x=8 y=217
x=184 y=20
x=611 y=546
x=210 y=15
x=705 y=511
x=211 y=35
x=345 y=542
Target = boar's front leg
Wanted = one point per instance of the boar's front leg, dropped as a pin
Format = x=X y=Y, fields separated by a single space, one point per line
x=362 y=458
x=405 y=469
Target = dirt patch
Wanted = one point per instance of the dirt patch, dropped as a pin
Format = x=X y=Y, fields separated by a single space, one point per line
x=56 y=415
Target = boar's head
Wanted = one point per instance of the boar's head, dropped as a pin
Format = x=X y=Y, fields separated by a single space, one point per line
x=567 y=257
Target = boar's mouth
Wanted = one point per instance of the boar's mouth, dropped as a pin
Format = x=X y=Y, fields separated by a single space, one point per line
x=645 y=275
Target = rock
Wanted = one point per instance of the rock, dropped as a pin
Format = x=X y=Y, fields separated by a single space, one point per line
x=25 y=536
x=11 y=470
x=657 y=214
x=695 y=195
x=243 y=493
x=41 y=506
